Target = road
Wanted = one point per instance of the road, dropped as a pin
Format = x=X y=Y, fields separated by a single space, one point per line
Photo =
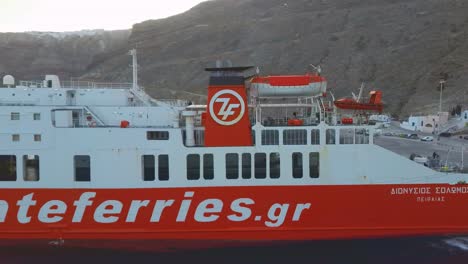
x=445 y=146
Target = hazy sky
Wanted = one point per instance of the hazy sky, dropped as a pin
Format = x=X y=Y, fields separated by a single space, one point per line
x=72 y=15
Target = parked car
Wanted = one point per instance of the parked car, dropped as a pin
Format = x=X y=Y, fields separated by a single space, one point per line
x=413 y=136
x=445 y=134
x=465 y=137
x=427 y=138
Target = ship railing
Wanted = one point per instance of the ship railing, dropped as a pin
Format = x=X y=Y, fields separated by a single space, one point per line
x=283 y=121
x=354 y=136
x=19 y=102
x=78 y=85
x=94 y=85
x=302 y=135
x=31 y=84
x=172 y=102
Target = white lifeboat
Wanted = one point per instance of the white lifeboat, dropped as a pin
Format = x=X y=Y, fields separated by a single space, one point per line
x=289 y=86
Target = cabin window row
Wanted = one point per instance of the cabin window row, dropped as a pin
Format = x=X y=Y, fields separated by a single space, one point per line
x=16 y=116
x=8 y=168
x=237 y=166
x=200 y=165
x=157 y=135
x=31 y=168
x=299 y=136
x=150 y=167
x=17 y=137
x=298 y=165
x=241 y=166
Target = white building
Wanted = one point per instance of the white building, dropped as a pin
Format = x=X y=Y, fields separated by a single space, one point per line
x=380 y=118
x=426 y=124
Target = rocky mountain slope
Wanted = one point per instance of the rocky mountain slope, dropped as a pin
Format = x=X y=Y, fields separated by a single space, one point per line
x=34 y=54
x=399 y=46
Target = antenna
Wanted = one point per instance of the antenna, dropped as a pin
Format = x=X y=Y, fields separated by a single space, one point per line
x=133 y=53
x=360 y=92
x=317 y=68
x=442 y=82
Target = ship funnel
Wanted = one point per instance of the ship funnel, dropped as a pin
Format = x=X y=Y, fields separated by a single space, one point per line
x=227 y=122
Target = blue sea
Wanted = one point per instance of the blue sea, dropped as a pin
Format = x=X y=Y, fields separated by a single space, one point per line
x=382 y=251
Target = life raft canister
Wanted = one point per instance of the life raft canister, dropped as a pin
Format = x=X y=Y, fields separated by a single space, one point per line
x=124 y=124
x=295 y=122
x=347 y=120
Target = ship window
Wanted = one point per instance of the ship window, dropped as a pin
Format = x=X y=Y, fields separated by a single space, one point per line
x=157 y=135
x=7 y=168
x=295 y=137
x=246 y=166
x=15 y=116
x=37 y=137
x=15 y=137
x=260 y=165
x=314 y=164
x=270 y=137
x=315 y=137
x=31 y=167
x=82 y=168
x=346 y=136
x=275 y=165
x=330 y=136
x=148 y=168
x=163 y=167
x=253 y=137
x=362 y=136
x=232 y=166
x=208 y=169
x=37 y=116
x=193 y=167
x=297 y=165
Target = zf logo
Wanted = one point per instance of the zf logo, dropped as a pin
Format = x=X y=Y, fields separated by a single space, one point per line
x=227 y=107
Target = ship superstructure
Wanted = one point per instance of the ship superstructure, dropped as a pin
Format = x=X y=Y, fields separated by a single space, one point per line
x=266 y=159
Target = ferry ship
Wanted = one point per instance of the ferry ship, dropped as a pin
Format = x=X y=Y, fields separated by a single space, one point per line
x=266 y=160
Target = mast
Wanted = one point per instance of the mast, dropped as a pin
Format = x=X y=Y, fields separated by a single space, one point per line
x=133 y=53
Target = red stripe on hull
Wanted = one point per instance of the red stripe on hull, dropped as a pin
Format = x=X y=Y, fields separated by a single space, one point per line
x=206 y=217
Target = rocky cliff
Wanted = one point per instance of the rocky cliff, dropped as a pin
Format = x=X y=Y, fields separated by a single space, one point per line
x=399 y=46
x=34 y=54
